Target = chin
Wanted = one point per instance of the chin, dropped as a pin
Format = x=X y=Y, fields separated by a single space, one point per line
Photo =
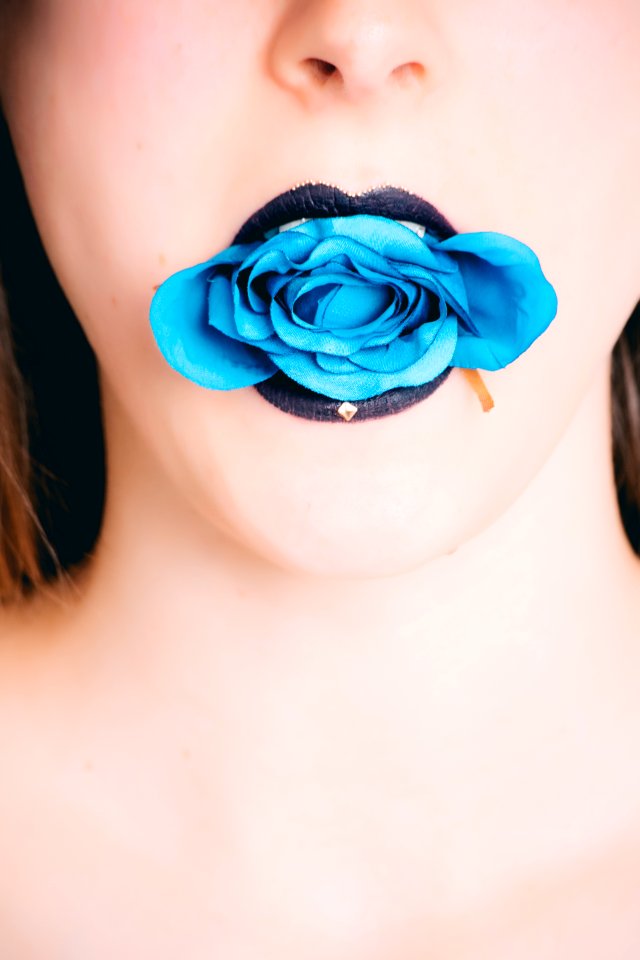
x=343 y=533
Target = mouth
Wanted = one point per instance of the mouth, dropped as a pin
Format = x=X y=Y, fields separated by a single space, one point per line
x=316 y=200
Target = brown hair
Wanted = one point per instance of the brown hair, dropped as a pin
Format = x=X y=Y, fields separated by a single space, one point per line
x=51 y=441
x=18 y=524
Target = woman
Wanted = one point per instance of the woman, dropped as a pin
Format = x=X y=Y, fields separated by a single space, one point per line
x=320 y=691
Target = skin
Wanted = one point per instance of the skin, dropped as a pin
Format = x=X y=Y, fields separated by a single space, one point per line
x=328 y=691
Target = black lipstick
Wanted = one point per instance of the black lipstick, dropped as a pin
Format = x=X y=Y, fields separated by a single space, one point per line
x=324 y=200
x=316 y=200
x=292 y=397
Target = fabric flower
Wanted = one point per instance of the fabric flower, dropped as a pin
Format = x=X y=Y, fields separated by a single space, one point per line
x=352 y=306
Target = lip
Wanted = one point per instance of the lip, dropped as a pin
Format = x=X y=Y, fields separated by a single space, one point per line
x=328 y=200
x=292 y=398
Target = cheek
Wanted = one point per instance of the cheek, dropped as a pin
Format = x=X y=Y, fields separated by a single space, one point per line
x=123 y=125
x=553 y=131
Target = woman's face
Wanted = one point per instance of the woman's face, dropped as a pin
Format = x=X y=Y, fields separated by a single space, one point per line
x=148 y=131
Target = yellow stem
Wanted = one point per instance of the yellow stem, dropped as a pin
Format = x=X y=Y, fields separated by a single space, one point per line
x=478 y=384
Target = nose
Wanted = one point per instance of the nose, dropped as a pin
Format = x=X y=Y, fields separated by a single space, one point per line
x=355 y=50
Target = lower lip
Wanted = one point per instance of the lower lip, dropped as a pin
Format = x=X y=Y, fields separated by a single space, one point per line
x=291 y=397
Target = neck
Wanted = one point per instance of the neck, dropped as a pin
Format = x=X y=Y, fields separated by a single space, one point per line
x=489 y=684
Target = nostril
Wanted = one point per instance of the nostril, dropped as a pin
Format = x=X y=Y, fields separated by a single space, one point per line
x=409 y=73
x=321 y=68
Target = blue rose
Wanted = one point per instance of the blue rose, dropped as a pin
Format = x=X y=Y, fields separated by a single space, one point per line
x=352 y=306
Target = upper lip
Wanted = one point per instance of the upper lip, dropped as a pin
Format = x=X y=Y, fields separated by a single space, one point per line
x=326 y=200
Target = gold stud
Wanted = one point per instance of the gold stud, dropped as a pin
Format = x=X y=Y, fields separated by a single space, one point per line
x=347 y=410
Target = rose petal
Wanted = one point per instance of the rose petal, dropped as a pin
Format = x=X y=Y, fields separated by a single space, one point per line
x=385 y=240
x=295 y=337
x=179 y=320
x=510 y=301
x=360 y=384
x=403 y=352
x=333 y=364
x=423 y=312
